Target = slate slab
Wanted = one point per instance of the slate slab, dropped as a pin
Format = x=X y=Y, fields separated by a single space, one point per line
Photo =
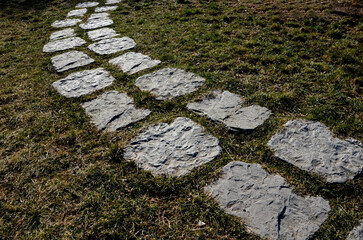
x=65 y=33
x=109 y=2
x=102 y=33
x=69 y=60
x=112 y=45
x=106 y=8
x=132 y=62
x=77 y=12
x=66 y=23
x=98 y=16
x=63 y=44
x=87 y=4
x=96 y=23
x=357 y=232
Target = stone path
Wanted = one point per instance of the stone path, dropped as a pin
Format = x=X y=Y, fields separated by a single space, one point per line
x=132 y=62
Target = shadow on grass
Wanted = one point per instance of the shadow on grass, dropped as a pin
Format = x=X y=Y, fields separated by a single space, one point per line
x=31 y=4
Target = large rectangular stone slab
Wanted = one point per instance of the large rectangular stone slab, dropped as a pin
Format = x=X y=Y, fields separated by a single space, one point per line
x=96 y=23
x=112 y=45
x=63 y=44
x=132 y=62
x=65 y=33
x=66 y=22
x=102 y=33
x=70 y=60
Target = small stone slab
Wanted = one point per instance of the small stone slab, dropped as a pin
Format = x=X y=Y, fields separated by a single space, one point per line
x=96 y=23
x=132 y=62
x=109 y=2
x=63 y=44
x=87 y=4
x=226 y=107
x=266 y=203
x=65 y=33
x=66 y=23
x=82 y=83
x=112 y=45
x=69 y=60
x=173 y=149
x=105 y=9
x=168 y=83
x=311 y=146
x=113 y=110
x=77 y=13
x=100 y=34
x=357 y=232
x=98 y=16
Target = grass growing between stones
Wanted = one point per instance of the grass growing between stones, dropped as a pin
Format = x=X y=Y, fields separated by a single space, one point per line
x=61 y=178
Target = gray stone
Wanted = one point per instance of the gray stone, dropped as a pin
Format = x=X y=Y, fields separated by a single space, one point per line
x=168 y=83
x=312 y=147
x=266 y=203
x=98 y=16
x=87 y=4
x=100 y=34
x=357 y=232
x=65 y=33
x=113 y=110
x=63 y=44
x=77 y=13
x=96 y=23
x=226 y=107
x=173 y=149
x=109 y=2
x=105 y=9
x=133 y=62
x=69 y=60
x=82 y=83
x=66 y=23
x=112 y=45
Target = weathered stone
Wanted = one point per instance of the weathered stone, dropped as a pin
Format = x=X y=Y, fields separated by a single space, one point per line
x=113 y=110
x=98 y=16
x=65 y=33
x=132 y=62
x=357 y=232
x=226 y=107
x=173 y=149
x=312 y=147
x=87 y=4
x=63 y=44
x=77 y=13
x=69 y=60
x=168 y=83
x=82 y=83
x=112 y=45
x=96 y=23
x=266 y=203
x=105 y=9
x=100 y=34
x=109 y=2
x=66 y=23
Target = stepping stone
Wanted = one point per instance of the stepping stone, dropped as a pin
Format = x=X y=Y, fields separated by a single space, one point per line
x=96 y=23
x=77 y=13
x=63 y=44
x=226 y=107
x=101 y=34
x=66 y=23
x=266 y=204
x=357 y=232
x=66 y=33
x=168 y=83
x=109 y=2
x=69 y=60
x=98 y=16
x=312 y=147
x=105 y=9
x=113 y=110
x=132 y=62
x=173 y=149
x=87 y=4
x=82 y=83
x=112 y=45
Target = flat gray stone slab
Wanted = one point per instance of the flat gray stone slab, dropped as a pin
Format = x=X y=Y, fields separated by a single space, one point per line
x=98 y=16
x=66 y=23
x=77 y=12
x=226 y=107
x=106 y=8
x=266 y=204
x=96 y=23
x=312 y=147
x=113 y=110
x=65 y=33
x=100 y=34
x=69 y=60
x=132 y=62
x=63 y=44
x=168 y=83
x=112 y=45
x=87 y=4
x=357 y=232
x=173 y=149
x=82 y=83
x=109 y=2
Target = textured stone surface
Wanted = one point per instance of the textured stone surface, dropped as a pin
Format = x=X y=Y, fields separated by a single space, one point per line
x=266 y=203
x=168 y=83
x=87 y=4
x=99 y=16
x=312 y=147
x=82 y=83
x=173 y=149
x=226 y=107
x=357 y=232
x=96 y=23
x=66 y=23
x=69 y=60
x=108 y=2
x=65 y=33
x=63 y=44
x=113 y=110
x=100 y=34
x=77 y=12
x=112 y=45
x=106 y=8
x=134 y=62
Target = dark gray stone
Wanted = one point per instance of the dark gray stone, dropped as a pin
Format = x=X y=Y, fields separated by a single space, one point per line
x=96 y=23
x=357 y=232
x=132 y=62
x=77 y=13
x=102 y=33
x=65 y=33
x=63 y=44
x=87 y=4
x=106 y=8
x=66 y=23
x=109 y=2
x=69 y=60
x=112 y=45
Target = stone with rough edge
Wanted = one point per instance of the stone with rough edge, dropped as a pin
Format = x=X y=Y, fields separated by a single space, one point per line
x=87 y=4
x=132 y=62
x=84 y=82
x=69 y=60
x=102 y=33
x=96 y=23
x=109 y=2
x=113 y=110
x=173 y=149
x=106 y=8
x=77 y=12
x=357 y=232
x=98 y=16
x=266 y=203
x=226 y=107
x=65 y=33
x=168 y=83
x=312 y=147
x=66 y=23
x=63 y=44
x=112 y=45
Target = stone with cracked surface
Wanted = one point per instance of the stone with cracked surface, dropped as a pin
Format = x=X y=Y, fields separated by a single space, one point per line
x=66 y=22
x=226 y=107
x=77 y=12
x=173 y=149
x=312 y=147
x=65 y=33
x=132 y=62
x=266 y=204
x=113 y=110
x=87 y=4
x=106 y=8
x=102 y=33
x=70 y=60
x=169 y=83
x=109 y=2
x=357 y=232
x=63 y=44
x=84 y=82
x=96 y=23
x=112 y=45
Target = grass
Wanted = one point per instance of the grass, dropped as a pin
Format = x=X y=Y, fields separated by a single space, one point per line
x=60 y=178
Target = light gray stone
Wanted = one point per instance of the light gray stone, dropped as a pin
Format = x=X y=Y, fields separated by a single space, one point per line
x=113 y=110
x=63 y=44
x=109 y=2
x=96 y=23
x=112 y=45
x=266 y=204
x=312 y=147
x=132 y=62
x=357 y=232
x=168 y=83
x=98 y=16
x=102 y=33
x=173 y=149
x=226 y=107
x=65 y=33
x=84 y=82
x=87 y=4
x=66 y=22
x=106 y=8
x=69 y=60
x=77 y=12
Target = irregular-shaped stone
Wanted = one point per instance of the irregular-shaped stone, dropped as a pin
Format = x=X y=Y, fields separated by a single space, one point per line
x=63 y=44
x=132 y=62
x=66 y=23
x=113 y=110
x=77 y=12
x=266 y=203
x=226 y=107
x=96 y=23
x=87 y=4
x=65 y=33
x=173 y=149
x=109 y=2
x=112 y=45
x=357 y=232
x=69 y=60
x=312 y=147
x=98 y=16
x=100 y=34
x=82 y=83
x=106 y=8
